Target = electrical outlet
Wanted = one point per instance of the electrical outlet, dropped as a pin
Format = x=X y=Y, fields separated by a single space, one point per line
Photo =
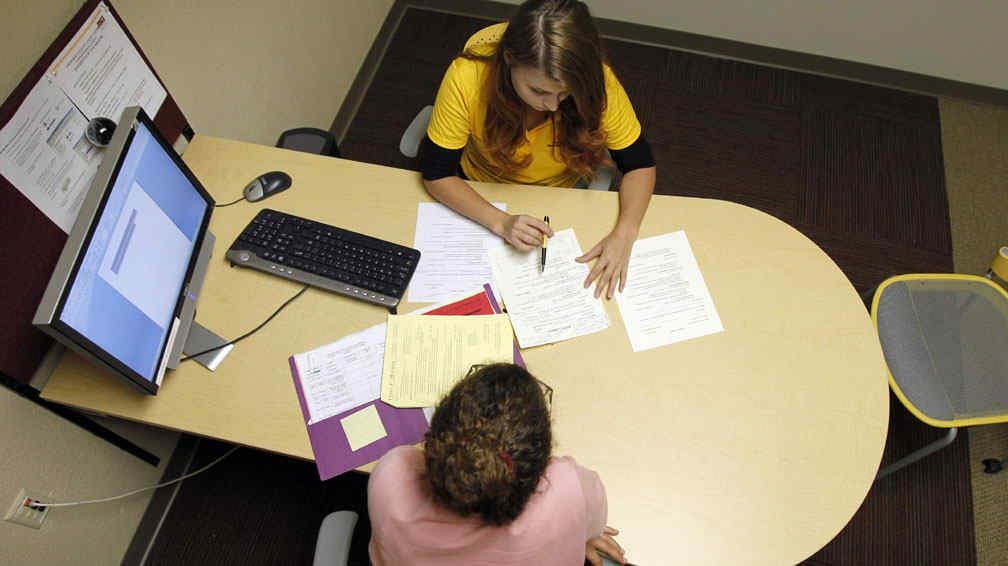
x=21 y=514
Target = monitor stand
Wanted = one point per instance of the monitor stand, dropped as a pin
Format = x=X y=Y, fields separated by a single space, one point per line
x=192 y=337
x=201 y=339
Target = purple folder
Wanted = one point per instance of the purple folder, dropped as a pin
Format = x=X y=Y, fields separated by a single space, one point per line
x=402 y=426
x=329 y=443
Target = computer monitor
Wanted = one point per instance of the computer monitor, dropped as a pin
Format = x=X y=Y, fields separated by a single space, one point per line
x=125 y=287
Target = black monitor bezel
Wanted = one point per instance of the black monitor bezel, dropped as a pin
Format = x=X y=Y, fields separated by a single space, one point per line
x=147 y=385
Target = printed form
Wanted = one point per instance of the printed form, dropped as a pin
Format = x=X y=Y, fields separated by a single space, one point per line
x=347 y=373
x=453 y=254
x=342 y=375
x=426 y=355
x=666 y=299
x=547 y=305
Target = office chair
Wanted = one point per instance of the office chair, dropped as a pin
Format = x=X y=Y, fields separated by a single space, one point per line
x=945 y=342
x=332 y=548
x=310 y=140
x=409 y=145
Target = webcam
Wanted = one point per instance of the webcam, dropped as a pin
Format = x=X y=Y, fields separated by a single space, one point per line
x=99 y=131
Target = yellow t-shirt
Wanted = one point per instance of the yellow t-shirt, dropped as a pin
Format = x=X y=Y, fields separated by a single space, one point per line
x=460 y=113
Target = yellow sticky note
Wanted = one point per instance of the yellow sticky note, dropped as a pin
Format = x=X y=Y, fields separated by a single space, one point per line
x=426 y=355
x=363 y=427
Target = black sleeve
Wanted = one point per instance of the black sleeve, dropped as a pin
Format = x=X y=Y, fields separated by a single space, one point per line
x=437 y=162
x=635 y=156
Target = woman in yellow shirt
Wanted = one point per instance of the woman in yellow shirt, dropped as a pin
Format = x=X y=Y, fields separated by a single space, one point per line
x=532 y=101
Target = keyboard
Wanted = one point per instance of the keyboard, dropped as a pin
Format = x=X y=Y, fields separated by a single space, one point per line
x=324 y=256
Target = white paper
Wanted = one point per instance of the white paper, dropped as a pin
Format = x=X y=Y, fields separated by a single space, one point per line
x=102 y=72
x=146 y=245
x=551 y=305
x=666 y=299
x=44 y=154
x=453 y=253
x=342 y=375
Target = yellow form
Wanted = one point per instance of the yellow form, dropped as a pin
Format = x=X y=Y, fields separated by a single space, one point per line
x=426 y=355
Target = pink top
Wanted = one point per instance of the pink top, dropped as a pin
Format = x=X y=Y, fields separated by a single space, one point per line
x=567 y=509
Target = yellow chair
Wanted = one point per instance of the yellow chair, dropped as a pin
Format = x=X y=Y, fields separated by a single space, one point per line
x=945 y=341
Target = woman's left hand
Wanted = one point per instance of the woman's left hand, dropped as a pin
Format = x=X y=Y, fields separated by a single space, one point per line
x=612 y=258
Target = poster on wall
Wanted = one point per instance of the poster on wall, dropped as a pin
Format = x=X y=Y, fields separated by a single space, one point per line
x=43 y=151
x=102 y=72
x=44 y=154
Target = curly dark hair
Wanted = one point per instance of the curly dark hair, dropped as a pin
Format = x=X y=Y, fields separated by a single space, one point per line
x=489 y=444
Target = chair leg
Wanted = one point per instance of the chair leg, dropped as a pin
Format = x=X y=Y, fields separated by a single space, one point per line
x=919 y=454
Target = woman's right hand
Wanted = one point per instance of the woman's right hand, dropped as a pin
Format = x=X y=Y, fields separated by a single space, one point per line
x=524 y=232
x=604 y=544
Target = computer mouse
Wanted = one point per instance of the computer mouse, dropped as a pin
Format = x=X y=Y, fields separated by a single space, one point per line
x=267 y=185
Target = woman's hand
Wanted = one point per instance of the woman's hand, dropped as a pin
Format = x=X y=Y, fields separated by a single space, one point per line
x=612 y=257
x=524 y=232
x=604 y=544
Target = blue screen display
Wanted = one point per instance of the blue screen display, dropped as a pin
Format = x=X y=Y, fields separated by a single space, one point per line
x=124 y=294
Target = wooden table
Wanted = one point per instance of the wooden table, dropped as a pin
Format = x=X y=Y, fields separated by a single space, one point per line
x=752 y=446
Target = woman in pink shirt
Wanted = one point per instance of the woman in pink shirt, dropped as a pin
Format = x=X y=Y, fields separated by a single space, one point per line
x=484 y=490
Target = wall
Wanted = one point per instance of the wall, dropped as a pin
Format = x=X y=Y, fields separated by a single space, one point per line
x=964 y=41
x=250 y=70
x=245 y=70
x=45 y=453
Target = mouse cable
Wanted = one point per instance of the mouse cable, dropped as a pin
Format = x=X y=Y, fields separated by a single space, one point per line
x=250 y=332
x=229 y=203
x=41 y=505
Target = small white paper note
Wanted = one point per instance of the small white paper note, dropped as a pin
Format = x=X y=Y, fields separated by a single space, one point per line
x=666 y=299
x=453 y=253
x=551 y=305
x=363 y=427
x=342 y=375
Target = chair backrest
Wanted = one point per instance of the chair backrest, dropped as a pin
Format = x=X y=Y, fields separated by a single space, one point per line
x=409 y=144
x=309 y=140
x=945 y=341
x=333 y=545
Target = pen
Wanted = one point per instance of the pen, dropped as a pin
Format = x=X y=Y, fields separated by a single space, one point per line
x=542 y=256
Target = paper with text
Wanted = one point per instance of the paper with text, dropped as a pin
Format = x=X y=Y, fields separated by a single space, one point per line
x=426 y=355
x=44 y=154
x=453 y=253
x=342 y=375
x=363 y=427
x=666 y=299
x=103 y=72
x=551 y=305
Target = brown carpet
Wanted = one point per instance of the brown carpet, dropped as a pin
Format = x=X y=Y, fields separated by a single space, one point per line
x=856 y=168
x=975 y=138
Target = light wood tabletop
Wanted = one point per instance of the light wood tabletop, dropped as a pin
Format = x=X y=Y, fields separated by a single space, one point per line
x=755 y=445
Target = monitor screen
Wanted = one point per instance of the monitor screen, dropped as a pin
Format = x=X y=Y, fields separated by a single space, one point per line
x=126 y=288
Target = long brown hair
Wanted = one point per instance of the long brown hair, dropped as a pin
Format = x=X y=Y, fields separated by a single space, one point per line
x=559 y=38
x=489 y=444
